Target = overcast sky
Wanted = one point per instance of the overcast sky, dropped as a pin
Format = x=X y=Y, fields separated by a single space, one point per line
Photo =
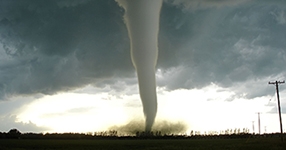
x=49 y=48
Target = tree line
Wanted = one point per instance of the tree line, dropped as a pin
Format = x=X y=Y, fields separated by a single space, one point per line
x=112 y=134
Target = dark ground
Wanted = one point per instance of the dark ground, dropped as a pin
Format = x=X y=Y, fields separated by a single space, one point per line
x=273 y=143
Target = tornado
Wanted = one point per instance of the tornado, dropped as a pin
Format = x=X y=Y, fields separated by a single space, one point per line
x=142 y=21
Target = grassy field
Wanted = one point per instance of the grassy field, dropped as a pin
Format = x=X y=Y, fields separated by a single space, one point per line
x=143 y=144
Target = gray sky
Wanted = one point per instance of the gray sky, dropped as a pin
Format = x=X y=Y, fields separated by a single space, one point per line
x=55 y=46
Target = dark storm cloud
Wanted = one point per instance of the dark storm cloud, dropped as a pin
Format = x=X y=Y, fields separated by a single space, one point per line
x=190 y=5
x=53 y=46
x=241 y=47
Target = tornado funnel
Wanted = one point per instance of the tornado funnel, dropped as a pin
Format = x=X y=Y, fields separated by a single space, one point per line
x=142 y=21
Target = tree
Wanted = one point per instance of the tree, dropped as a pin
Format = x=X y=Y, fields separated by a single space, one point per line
x=14 y=133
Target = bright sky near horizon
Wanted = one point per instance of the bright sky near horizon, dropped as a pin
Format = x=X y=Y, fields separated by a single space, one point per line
x=65 y=66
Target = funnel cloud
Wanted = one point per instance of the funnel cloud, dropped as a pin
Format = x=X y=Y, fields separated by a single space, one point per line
x=142 y=21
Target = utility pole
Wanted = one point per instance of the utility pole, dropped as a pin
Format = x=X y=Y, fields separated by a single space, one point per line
x=253 y=127
x=259 y=130
x=279 y=110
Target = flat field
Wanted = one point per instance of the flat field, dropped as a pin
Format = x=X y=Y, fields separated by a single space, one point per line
x=143 y=144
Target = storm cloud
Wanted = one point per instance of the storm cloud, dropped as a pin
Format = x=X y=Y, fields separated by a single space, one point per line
x=54 y=46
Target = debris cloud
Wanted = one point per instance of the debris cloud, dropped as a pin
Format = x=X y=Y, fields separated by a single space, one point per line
x=165 y=127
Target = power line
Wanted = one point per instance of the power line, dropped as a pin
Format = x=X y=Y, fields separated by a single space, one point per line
x=279 y=109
